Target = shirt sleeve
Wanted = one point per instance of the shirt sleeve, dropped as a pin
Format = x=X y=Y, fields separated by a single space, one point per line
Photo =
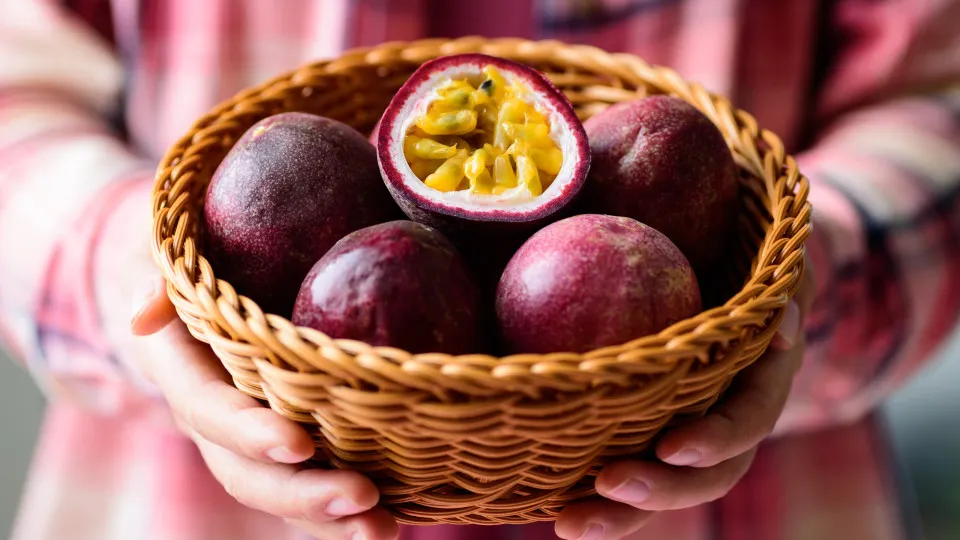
x=885 y=177
x=73 y=207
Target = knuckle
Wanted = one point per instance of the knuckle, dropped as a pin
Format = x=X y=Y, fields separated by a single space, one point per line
x=722 y=431
x=720 y=492
x=728 y=483
x=666 y=498
x=770 y=404
x=236 y=487
x=191 y=418
x=720 y=488
x=320 y=532
x=767 y=404
x=637 y=521
x=732 y=476
x=719 y=480
x=800 y=352
x=182 y=425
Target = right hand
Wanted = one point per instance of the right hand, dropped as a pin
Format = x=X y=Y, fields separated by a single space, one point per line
x=251 y=450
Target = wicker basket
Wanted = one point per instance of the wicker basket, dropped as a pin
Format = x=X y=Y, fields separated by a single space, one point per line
x=478 y=439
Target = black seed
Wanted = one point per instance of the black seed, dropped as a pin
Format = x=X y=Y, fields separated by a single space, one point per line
x=487 y=86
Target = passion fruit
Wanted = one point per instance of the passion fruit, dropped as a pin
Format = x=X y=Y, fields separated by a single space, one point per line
x=474 y=143
x=398 y=284
x=292 y=186
x=591 y=281
x=661 y=161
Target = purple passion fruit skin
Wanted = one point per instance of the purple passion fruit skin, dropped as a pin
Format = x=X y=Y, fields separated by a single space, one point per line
x=592 y=281
x=291 y=187
x=662 y=162
x=467 y=216
x=398 y=284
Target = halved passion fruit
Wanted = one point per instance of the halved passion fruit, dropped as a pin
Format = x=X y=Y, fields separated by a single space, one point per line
x=474 y=138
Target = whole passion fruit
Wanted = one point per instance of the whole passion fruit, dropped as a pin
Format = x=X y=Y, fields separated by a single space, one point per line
x=397 y=284
x=591 y=281
x=661 y=161
x=291 y=187
x=472 y=142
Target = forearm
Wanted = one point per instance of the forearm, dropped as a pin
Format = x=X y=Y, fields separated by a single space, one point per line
x=886 y=252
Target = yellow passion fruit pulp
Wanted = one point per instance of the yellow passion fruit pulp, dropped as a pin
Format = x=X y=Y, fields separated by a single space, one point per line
x=472 y=140
x=479 y=134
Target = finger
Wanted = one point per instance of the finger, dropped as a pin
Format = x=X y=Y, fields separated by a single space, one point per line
x=790 y=329
x=376 y=524
x=152 y=309
x=313 y=495
x=808 y=286
x=657 y=487
x=599 y=519
x=195 y=385
x=791 y=325
x=741 y=421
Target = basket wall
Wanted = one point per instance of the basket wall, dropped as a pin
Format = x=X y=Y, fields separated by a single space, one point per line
x=478 y=439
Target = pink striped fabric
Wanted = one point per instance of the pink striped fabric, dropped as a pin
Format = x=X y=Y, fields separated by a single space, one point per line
x=93 y=91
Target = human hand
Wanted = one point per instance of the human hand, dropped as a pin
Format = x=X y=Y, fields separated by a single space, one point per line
x=251 y=450
x=701 y=461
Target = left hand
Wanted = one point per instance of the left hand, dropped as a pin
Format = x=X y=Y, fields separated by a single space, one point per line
x=701 y=461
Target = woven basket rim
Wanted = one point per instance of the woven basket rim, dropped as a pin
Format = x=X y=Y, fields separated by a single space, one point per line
x=778 y=265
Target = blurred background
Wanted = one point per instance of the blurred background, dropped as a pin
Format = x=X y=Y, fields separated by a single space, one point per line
x=923 y=416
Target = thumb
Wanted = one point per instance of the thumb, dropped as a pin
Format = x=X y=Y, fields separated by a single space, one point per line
x=792 y=325
x=152 y=309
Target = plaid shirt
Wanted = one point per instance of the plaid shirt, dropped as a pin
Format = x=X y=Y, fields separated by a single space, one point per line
x=93 y=91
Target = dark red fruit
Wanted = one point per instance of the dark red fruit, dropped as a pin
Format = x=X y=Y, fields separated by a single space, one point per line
x=397 y=284
x=664 y=163
x=291 y=187
x=591 y=281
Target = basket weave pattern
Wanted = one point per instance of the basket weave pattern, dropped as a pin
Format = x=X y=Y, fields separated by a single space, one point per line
x=479 y=439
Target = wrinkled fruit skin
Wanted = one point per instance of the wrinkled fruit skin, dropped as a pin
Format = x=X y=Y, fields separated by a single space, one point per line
x=591 y=281
x=662 y=162
x=291 y=187
x=397 y=284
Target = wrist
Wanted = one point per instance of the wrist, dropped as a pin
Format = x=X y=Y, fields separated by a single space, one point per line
x=121 y=257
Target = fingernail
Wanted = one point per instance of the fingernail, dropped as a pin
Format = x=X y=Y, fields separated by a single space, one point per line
x=282 y=454
x=789 y=329
x=593 y=532
x=684 y=457
x=631 y=491
x=142 y=294
x=340 y=507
